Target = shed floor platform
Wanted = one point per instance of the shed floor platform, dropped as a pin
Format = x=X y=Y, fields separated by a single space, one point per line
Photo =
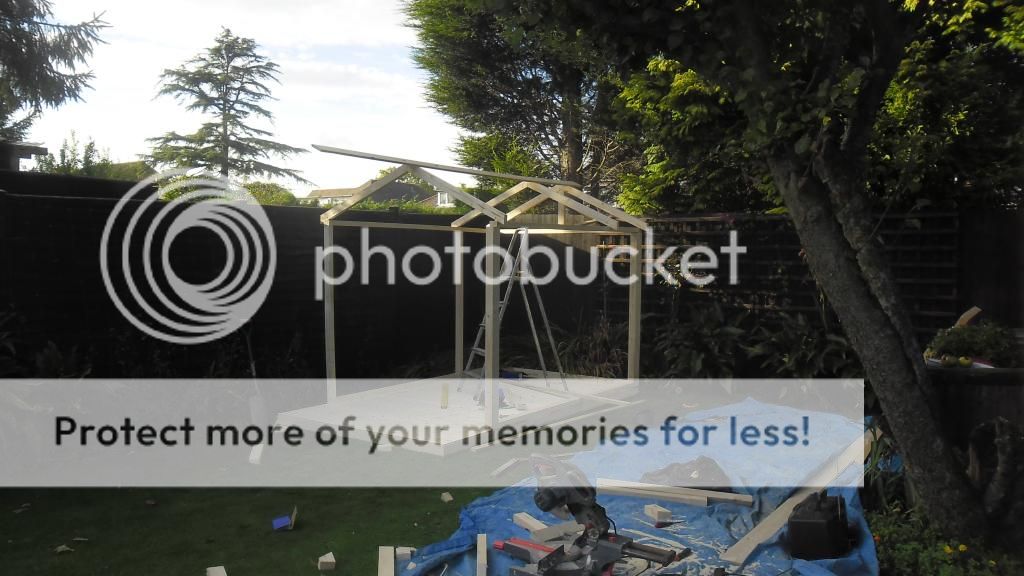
x=529 y=402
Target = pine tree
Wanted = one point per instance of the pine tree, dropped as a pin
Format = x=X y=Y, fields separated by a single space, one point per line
x=227 y=82
x=39 y=62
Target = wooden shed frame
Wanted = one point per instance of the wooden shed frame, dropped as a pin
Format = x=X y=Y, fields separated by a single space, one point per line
x=569 y=197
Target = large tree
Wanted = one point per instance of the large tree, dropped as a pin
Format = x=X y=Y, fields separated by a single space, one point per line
x=538 y=95
x=809 y=79
x=40 y=62
x=950 y=132
x=229 y=83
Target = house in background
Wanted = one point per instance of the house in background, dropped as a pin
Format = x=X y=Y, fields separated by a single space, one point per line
x=12 y=153
x=393 y=192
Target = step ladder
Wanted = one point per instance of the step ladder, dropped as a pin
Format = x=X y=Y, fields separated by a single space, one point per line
x=521 y=275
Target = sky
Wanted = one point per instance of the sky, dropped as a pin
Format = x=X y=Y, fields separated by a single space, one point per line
x=346 y=80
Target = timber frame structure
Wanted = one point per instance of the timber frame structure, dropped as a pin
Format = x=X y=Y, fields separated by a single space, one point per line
x=568 y=196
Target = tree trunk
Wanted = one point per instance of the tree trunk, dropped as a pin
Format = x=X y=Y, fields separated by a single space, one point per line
x=850 y=267
x=571 y=157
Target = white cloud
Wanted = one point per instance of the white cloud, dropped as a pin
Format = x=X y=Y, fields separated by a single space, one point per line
x=346 y=80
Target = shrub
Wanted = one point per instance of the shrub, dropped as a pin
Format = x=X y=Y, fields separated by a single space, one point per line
x=908 y=544
x=983 y=340
x=791 y=347
x=708 y=344
x=596 y=350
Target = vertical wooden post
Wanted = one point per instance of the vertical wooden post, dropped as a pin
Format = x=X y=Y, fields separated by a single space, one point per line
x=481 y=555
x=492 y=353
x=635 y=292
x=385 y=561
x=460 y=302
x=329 y=341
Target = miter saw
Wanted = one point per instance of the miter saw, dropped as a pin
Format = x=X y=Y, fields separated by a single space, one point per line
x=564 y=491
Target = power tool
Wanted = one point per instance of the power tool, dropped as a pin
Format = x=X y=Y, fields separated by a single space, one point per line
x=564 y=491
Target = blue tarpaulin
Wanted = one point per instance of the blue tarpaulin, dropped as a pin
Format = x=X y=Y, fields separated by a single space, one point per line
x=707 y=531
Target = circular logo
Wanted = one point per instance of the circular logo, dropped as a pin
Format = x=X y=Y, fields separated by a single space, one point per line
x=136 y=256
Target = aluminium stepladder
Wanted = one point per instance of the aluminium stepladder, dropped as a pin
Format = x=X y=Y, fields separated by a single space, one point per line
x=520 y=274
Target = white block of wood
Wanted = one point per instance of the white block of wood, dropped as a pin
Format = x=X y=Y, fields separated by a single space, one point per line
x=385 y=561
x=527 y=522
x=404 y=553
x=657 y=513
x=556 y=531
x=216 y=571
x=446 y=497
x=326 y=562
x=481 y=555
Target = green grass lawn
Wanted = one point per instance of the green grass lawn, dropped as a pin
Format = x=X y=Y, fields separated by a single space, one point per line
x=189 y=530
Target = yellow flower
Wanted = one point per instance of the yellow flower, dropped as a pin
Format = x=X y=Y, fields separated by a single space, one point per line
x=962 y=548
x=948 y=549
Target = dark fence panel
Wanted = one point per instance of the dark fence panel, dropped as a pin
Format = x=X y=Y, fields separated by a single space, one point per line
x=49 y=260
x=944 y=263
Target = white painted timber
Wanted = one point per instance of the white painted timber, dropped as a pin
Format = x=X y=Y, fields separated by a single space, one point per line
x=648 y=494
x=385 y=561
x=492 y=353
x=635 y=310
x=460 y=194
x=556 y=531
x=527 y=522
x=492 y=202
x=326 y=563
x=481 y=555
x=712 y=495
x=575 y=206
x=441 y=167
x=606 y=207
x=365 y=191
x=766 y=528
x=657 y=513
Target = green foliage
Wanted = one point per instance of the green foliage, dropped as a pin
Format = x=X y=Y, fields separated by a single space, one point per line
x=89 y=161
x=543 y=92
x=790 y=346
x=229 y=82
x=39 y=62
x=705 y=340
x=715 y=88
x=71 y=161
x=271 y=194
x=696 y=159
x=708 y=344
x=908 y=544
x=885 y=483
x=128 y=171
x=501 y=153
x=596 y=350
x=409 y=206
x=951 y=128
x=985 y=340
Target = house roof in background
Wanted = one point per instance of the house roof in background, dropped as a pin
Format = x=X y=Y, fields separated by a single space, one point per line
x=24 y=150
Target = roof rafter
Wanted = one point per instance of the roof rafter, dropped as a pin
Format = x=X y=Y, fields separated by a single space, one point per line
x=461 y=194
x=366 y=191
